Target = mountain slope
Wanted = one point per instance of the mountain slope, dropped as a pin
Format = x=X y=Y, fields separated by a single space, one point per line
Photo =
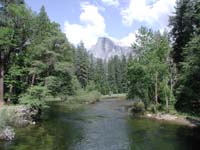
x=106 y=48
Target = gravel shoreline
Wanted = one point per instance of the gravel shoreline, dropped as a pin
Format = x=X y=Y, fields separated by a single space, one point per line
x=178 y=119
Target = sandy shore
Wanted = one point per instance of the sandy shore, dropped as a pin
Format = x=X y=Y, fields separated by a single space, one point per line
x=178 y=119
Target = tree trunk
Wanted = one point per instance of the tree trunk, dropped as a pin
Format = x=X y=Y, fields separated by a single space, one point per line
x=156 y=89
x=10 y=92
x=167 y=103
x=167 y=97
x=1 y=84
x=33 y=80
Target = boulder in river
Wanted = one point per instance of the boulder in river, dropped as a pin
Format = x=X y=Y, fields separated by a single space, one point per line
x=7 y=134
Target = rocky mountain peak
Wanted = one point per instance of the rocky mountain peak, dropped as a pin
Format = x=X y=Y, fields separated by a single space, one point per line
x=105 y=48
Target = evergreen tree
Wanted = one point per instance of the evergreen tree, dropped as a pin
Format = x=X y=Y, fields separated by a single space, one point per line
x=82 y=65
x=185 y=24
x=188 y=85
x=185 y=32
x=123 y=68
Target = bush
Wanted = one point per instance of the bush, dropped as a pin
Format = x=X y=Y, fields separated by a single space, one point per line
x=85 y=97
x=35 y=97
x=138 y=107
x=7 y=117
x=154 y=108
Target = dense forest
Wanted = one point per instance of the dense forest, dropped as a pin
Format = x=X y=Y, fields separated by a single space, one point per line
x=38 y=63
x=165 y=71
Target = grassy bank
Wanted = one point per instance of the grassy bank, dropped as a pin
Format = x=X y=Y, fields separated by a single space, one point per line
x=84 y=97
x=114 y=96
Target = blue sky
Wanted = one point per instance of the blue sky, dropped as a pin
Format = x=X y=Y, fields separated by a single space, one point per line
x=119 y=20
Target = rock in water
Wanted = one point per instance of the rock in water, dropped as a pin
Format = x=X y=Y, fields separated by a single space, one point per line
x=7 y=134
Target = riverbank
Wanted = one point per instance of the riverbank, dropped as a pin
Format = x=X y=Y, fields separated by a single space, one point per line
x=114 y=96
x=16 y=116
x=177 y=119
x=12 y=117
x=138 y=109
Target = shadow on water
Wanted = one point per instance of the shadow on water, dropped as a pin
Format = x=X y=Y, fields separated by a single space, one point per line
x=103 y=126
x=146 y=134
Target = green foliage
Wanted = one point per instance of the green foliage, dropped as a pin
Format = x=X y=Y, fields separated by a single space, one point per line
x=7 y=117
x=104 y=76
x=85 y=97
x=53 y=84
x=185 y=32
x=137 y=107
x=35 y=55
x=35 y=97
x=188 y=85
x=90 y=86
x=149 y=72
x=185 y=24
x=82 y=64
x=138 y=81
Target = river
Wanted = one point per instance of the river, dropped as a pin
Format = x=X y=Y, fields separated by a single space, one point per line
x=101 y=126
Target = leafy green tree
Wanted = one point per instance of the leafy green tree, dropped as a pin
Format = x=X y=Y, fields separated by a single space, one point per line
x=188 y=85
x=149 y=73
x=35 y=97
x=15 y=33
x=34 y=55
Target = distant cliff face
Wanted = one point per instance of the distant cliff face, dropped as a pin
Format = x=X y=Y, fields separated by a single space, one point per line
x=106 y=48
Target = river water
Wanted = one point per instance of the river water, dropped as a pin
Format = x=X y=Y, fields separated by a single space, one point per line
x=102 y=126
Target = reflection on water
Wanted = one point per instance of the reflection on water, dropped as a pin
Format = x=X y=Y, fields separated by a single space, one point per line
x=103 y=126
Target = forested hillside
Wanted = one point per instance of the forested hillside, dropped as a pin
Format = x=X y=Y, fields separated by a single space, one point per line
x=106 y=76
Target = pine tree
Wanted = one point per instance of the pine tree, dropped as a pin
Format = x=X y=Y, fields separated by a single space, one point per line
x=82 y=65
x=123 y=68
x=185 y=24
x=185 y=32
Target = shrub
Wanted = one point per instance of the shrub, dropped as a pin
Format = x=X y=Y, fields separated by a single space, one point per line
x=85 y=97
x=7 y=117
x=154 y=108
x=138 y=107
x=35 y=97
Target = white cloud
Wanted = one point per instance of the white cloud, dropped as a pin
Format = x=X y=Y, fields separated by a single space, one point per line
x=128 y=40
x=111 y=2
x=139 y=10
x=92 y=26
